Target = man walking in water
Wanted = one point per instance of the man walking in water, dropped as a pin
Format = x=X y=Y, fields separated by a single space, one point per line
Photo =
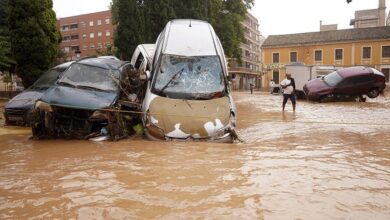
x=288 y=86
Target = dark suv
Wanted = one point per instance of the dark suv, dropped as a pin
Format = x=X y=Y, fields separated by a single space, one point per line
x=348 y=82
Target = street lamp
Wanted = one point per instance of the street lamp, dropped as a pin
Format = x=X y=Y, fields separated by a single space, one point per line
x=78 y=53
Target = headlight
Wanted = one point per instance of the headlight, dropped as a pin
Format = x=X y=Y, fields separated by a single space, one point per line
x=43 y=106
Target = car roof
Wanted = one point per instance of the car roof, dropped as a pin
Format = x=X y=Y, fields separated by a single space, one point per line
x=187 y=37
x=102 y=62
x=354 y=71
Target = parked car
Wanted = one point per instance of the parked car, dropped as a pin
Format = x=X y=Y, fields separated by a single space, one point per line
x=18 y=109
x=188 y=95
x=87 y=101
x=348 y=82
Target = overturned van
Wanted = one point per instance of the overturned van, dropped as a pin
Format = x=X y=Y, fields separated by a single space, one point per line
x=188 y=94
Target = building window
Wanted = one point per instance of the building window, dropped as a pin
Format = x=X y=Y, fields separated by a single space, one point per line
x=99 y=22
x=92 y=46
x=108 y=33
x=91 y=23
x=100 y=46
x=66 y=38
x=99 y=34
x=82 y=24
x=338 y=54
x=107 y=21
x=293 y=57
x=366 y=52
x=66 y=49
x=74 y=26
x=75 y=48
x=65 y=28
x=84 y=36
x=275 y=58
x=74 y=37
x=318 y=55
x=385 y=51
x=85 y=47
x=91 y=35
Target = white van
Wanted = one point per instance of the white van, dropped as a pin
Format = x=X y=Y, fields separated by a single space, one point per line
x=188 y=94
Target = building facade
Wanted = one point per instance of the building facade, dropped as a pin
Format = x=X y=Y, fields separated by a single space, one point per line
x=249 y=71
x=339 y=48
x=86 y=33
x=370 y=17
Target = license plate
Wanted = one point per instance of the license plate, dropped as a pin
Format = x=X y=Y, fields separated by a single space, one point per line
x=15 y=118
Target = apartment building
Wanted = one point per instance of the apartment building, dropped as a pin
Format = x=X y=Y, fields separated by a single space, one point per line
x=249 y=71
x=86 y=33
x=338 y=48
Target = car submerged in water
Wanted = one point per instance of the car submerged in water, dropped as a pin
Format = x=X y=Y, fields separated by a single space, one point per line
x=89 y=100
x=18 y=110
x=188 y=95
x=345 y=84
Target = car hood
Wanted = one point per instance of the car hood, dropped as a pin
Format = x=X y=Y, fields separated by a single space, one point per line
x=317 y=85
x=79 y=98
x=25 y=100
x=180 y=118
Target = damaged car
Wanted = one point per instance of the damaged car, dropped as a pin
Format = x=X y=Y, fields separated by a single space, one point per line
x=18 y=110
x=93 y=98
x=346 y=84
x=188 y=95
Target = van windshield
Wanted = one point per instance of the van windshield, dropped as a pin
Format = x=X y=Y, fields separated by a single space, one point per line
x=189 y=77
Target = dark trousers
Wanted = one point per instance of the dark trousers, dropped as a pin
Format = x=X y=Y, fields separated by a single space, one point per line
x=292 y=97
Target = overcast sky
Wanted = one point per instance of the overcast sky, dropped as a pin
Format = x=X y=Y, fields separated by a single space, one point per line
x=275 y=16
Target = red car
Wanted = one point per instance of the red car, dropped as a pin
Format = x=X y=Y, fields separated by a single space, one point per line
x=349 y=82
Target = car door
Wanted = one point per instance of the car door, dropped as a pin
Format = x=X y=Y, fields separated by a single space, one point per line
x=362 y=84
x=345 y=87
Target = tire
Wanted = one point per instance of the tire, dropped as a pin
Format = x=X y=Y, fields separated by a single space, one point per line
x=373 y=93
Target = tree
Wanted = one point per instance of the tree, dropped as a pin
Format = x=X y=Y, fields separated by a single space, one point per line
x=156 y=14
x=129 y=22
x=141 y=21
x=5 y=45
x=109 y=50
x=34 y=37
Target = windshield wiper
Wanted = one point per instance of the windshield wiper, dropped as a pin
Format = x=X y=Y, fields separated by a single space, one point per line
x=66 y=84
x=170 y=81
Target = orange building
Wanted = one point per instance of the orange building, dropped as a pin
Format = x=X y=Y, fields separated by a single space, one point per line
x=339 y=48
x=86 y=33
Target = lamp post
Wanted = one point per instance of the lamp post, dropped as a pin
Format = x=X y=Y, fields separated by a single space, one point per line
x=78 y=53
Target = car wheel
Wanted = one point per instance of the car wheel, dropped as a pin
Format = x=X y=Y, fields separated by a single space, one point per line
x=373 y=93
x=327 y=98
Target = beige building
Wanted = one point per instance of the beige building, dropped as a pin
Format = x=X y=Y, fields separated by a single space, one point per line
x=249 y=71
x=370 y=17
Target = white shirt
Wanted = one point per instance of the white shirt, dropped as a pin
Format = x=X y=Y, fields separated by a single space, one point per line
x=289 y=89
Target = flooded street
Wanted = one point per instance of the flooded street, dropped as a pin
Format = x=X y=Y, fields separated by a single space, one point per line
x=326 y=161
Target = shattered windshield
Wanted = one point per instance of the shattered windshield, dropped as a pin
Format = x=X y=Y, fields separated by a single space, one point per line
x=46 y=80
x=90 y=77
x=333 y=79
x=198 y=77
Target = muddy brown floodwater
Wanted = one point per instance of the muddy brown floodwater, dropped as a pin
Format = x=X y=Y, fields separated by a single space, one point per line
x=327 y=161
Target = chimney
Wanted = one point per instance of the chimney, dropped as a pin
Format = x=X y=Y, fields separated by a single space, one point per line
x=382 y=13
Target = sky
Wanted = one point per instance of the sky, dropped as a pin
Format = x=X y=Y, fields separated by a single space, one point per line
x=275 y=16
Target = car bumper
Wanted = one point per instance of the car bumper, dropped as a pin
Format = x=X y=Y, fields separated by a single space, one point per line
x=17 y=116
